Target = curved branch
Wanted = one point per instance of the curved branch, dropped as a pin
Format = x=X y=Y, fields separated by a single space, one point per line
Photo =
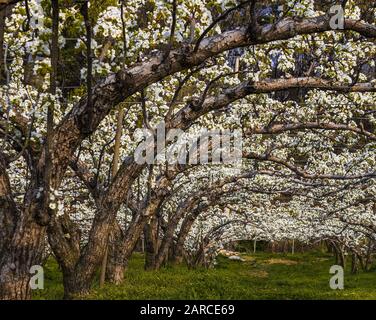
x=303 y=174
x=280 y=128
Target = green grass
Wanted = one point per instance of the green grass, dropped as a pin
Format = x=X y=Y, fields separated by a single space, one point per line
x=299 y=276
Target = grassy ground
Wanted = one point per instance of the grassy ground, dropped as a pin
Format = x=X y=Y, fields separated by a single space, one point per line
x=261 y=276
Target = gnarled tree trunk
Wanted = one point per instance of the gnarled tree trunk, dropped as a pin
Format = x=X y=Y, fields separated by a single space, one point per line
x=178 y=254
x=116 y=263
x=22 y=252
x=151 y=243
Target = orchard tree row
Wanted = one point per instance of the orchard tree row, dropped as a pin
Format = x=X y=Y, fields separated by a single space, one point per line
x=81 y=79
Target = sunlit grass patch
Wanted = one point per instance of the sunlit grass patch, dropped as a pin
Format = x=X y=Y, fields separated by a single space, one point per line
x=298 y=276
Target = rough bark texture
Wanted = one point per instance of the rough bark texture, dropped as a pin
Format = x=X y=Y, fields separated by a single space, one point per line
x=2 y=30
x=151 y=243
x=169 y=233
x=19 y=254
x=178 y=254
x=116 y=263
x=115 y=274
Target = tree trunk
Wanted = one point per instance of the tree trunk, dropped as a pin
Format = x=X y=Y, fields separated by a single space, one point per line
x=369 y=255
x=178 y=255
x=167 y=241
x=80 y=266
x=116 y=262
x=151 y=243
x=115 y=275
x=2 y=31
x=24 y=250
x=354 y=264
x=340 y=257
x=115 y=270
x=76 y=284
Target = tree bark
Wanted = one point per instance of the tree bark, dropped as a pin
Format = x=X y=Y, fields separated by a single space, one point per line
x=354 y=263
x=115 y=275
x=151 y=243
x=76 y=285
x=2 y=31
x=186 y=226
x=169 y=234
x=116 y=262
x=24 y=250
x=25 y=240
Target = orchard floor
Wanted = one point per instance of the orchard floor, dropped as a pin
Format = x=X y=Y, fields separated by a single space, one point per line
x=261 y=276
